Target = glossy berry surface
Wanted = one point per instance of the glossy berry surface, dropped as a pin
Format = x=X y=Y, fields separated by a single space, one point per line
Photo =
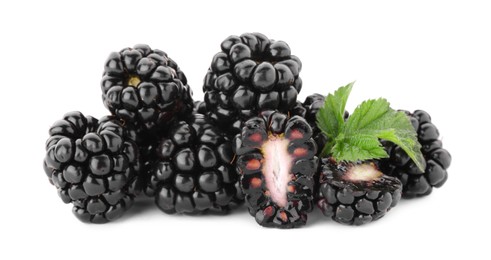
x=353 y=202
x=277 y=162
x=145 y=87
x=193 y=171
x=251 y=73
x=94 y=165
x=312 y=104
x=415 y=182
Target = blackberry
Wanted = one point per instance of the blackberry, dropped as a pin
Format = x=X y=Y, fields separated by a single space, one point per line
x=356 y=193
x=277 y=161
x=145 y=87
x=417 y=183
x=94 y=165
x=193 y=171
x=252 y=73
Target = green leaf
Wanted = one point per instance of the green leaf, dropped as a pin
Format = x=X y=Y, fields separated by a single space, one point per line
x=330 y=118
x=361 y=147
x=373 y=120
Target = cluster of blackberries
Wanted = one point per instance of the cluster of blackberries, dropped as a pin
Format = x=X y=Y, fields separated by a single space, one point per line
x=249 y=141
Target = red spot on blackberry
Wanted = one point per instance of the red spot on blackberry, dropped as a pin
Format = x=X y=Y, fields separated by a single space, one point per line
x=256 y=137
x=300 y=152
x=295 y=134
x=256 y=183
x=253 y=164
x=291 y=189
x=268 y=211
x=283 y=216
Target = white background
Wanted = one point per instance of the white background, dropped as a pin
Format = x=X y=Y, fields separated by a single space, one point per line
x=430 y=55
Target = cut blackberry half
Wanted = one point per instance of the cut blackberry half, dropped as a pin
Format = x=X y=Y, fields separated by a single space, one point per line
x=94 y=165
x=145 y=87
x=356 y=193
x=417 y=183
x=193 y=171
x=251 y=73
x=277 y=161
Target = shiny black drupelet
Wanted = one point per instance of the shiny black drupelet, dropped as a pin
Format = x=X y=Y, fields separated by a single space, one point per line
x=94 y=165
x=193 y=169
x=415 y=182
x=312 y=104
x=251 y=73
x=145 y=87
x=355 y=202
x=277 y=162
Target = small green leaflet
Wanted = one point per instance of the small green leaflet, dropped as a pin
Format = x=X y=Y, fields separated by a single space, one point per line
x=330 y=118
x=358 y=137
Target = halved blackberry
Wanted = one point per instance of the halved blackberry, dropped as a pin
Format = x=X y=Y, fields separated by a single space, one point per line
x=277 y=161
x=193 y=171
x=145 y=87
x=415 y=182
x=356 y=193
x=252 y=73
x=94 y=165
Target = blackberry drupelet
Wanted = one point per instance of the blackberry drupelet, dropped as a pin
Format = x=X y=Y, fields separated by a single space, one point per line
x=356 y=193
x=277 y=161
x=313 y=103
x=94 y=165
x=145 y=87
x=252 y=73
x=200 y=107
x=417 y=183
x=193 y=170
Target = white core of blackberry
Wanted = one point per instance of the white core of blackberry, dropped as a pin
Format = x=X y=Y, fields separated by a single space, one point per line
x=277 y=169
x=362 y=172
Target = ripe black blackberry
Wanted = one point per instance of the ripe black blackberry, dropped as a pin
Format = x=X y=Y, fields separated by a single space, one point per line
x=193 y=171
x=356 y=193
x=94 y=165
x=145 y=87
x=252 y=73
x=417 y=183
x=277 y=162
